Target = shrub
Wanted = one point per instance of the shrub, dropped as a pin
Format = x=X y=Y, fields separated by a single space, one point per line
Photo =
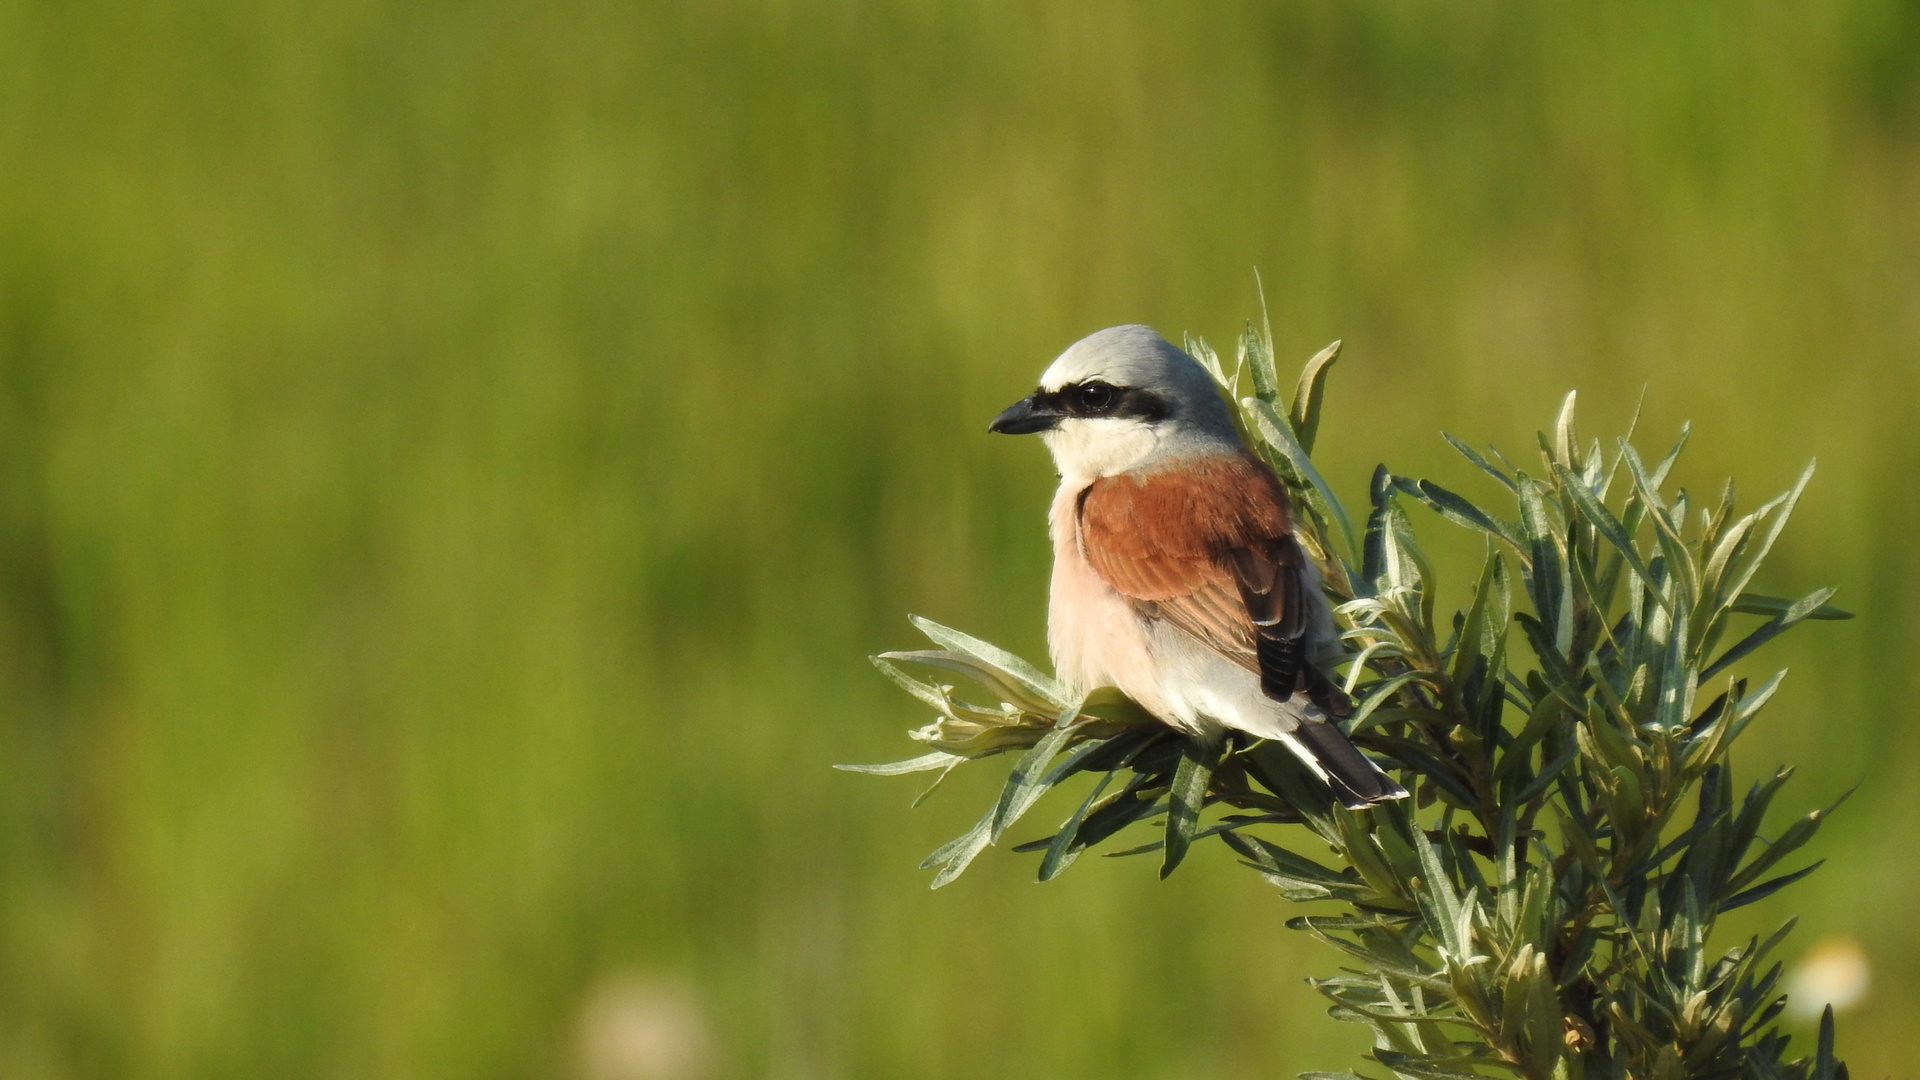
x=1543 y=907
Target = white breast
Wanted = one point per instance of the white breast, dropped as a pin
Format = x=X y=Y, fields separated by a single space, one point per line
x=1095 y=638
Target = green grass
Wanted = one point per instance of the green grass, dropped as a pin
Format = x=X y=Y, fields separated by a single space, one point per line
x=455 y=459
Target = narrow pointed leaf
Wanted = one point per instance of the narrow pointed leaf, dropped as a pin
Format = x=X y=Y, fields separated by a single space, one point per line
x=923 y=763
x=1459 y=511
x=1801 y=609
x=953 y=856
x=1474 y=456
x=1778 y=522
x=1758 y=604
x=1197 y=759
x=1026 y=674
x=1603 y=522
x=1660 y=471
x=1767 y=888
x=1256 y=356
x=1026 y=783
x=1564 y=443
x=1306 y=397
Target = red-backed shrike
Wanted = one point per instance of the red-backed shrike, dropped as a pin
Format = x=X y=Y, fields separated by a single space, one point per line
x=1175 y=573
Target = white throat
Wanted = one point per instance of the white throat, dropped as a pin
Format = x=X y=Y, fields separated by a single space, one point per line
x=1090 y=449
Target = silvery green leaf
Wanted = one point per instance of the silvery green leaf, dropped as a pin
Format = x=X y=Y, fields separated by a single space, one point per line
x=974 y=741
x=1459 y=511
x=1603 y=521
x=953 y=856
x=1444 y=919
x=1115 y=812
x=1139 y=849
x=923 y=763
x=1751 y=703
x=1825 y=1066
x=1256 y=356
x=1201 y=350
x=1189 y=794
x=1796 y=835
x=1546 y=715
x=1445 y=777
x=1392 y=836
x=1373 y=869
x=1268 y=856
x=1374 y=1014
x=1026 y=783
x=993 y=678
x=1335 y=923
x=1373 y=555
x=925 y=691
x=1660 y=471
x=1513 y=1011
x=1746 y=825
x=1767 y=888
x=1574 y=965
x=1075 y=760
x=1401 y=968
x=1774 y=939
x=1712 y=521
x=1306 y=397
x=1049 y=690
x=1408 y=569
x=1785 y=503
x=1757 y=604
x=1377 y=695
x=1484 y=630
x=1547 y=580
x=1121 y=750
x=1544 y=779
x=1679 y=560
x=1803 y=608
x=1552 y=660
x=1725 y=549
x=1564 y=444
x=1687 y=928
x=1397 y=1034
x=1678 y=682
x=1436 y=1068
x=927 y=792
x=1474 y=456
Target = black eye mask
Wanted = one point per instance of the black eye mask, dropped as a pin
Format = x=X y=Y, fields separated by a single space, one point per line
x=1094 y=398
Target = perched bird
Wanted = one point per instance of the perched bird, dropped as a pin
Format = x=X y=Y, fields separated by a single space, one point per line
x=1176 y=576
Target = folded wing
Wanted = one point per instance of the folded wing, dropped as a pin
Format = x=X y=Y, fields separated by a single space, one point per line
x=1209 y=548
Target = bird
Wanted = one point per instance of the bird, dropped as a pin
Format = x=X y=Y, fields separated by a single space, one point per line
x=1176 y=575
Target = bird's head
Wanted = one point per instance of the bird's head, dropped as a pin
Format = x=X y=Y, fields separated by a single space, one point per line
x=1122 y=399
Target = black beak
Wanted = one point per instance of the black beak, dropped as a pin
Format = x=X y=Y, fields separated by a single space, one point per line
x=1024 y=417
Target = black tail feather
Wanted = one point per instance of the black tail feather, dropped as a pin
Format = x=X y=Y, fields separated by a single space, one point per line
x=1352 y=775
x=1280 y=659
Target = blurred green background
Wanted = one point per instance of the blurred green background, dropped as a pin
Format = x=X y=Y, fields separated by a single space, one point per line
x=454 y=459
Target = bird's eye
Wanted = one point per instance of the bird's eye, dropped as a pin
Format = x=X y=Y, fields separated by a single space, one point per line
x=1096 y=397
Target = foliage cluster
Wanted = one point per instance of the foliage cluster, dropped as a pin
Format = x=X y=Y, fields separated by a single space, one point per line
x=1543 y=907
